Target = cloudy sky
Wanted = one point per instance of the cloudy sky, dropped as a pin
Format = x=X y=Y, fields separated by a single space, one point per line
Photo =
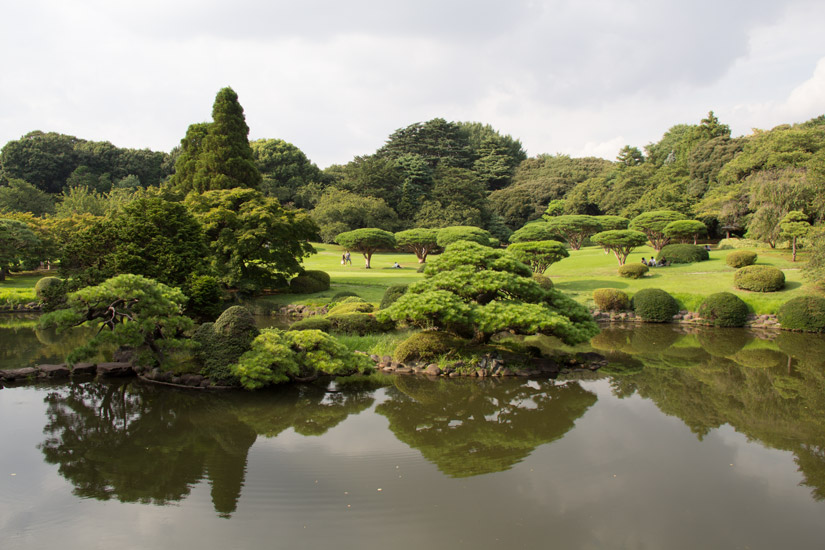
x=337 y=77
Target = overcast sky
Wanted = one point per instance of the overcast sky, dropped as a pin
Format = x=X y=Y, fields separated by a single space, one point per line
x=335 y=78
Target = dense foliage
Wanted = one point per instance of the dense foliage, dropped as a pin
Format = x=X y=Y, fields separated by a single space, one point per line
x=367 y=241
x=620 y=241
x=724 y=309
x=426 y=345
x=654 y=305
x=539 y=255
x=221 y=343
x=759 y=278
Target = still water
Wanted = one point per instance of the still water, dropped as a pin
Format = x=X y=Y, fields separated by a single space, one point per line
x=709 y=439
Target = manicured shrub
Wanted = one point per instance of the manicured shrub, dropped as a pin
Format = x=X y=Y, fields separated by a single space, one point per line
x=724 y=309
x=611 y=299
x=425 y=346
x=633 y=271
x=730 y=244
x=316 y=322
x=806 y=313
x=740 y=258
x=759 y=278
x=318 y=275
x=654 y=305
x=392 y=293
x=51 y=292
x=448 y=235
x=682 y=254
x=358 y=323
x=543 y=280
x=352 y=307
x=343 y=294
x=223 y=342
x=305 y=284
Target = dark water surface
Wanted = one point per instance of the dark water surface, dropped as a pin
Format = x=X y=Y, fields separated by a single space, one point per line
x=712 y=439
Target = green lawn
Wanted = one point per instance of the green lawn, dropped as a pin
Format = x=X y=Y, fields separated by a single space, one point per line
x=18 y=289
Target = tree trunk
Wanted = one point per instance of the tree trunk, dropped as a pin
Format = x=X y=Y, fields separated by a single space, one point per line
x=794 y=250
x=367 y=258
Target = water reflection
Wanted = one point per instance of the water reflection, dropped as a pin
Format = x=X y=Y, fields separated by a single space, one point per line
x=137 y=443
x=768 y=389
x=21 y=345
x=470 y=427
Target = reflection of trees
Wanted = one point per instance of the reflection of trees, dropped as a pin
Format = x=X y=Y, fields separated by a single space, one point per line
x=20 y=346
x=771 y=391
x=148 y=444
x=467 y=427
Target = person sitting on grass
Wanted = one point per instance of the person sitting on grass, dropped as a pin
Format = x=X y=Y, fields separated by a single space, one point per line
x=652 y=262
x=396 y=266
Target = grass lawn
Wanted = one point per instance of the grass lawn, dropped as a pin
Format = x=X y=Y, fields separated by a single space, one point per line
x=18 y=289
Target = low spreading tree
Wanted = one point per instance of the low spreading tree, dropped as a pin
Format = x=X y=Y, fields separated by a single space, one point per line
x=420 y=241
x=367 y=241
x=574 y=228
x=539 y=255
x=535 y=231
x=685 y=230
x=475 y=291
x=653 y=225
x=620 y=241
x=128 y=310
x=454 y=233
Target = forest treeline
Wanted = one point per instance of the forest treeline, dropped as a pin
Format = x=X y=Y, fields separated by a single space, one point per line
x=440 y=173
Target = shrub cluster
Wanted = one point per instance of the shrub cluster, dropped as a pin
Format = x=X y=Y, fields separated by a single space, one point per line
x=352 y=307
x=392 y=293
x=633 y=271
x=543 y=280
x=740 y=258
x=310 y=282
x=352 y=300
x=315 y=322
x=205 y=297
x=224 y=341
x=806 y=313
x=731 y=244
x=611 y=299
x=343 y=294
x=426 y=345
x=358 y=323
x=724 y=309
x=682 y=254
x=654 y=305
x=759 y=278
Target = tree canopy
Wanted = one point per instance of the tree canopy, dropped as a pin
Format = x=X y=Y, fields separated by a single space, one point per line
x=366 y=241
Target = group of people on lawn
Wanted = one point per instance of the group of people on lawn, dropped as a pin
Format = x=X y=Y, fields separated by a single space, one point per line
x=653 y=263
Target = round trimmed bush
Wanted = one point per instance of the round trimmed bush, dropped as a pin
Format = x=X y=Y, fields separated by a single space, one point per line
x=51 y=291
x=425 y=345
x=724 y=309
x=318 y=275
x=236 y=322
x=316 y=322
x=611 y=299
x=352 y=307
x=740 y=258
x=759 y=278
x=392 y=293
x=806 y=313
x=654 y=305
x=543 y=280
x=343 y=294
x=682 y=254
x=633 y=271
x=358 y=323
x=305 y=284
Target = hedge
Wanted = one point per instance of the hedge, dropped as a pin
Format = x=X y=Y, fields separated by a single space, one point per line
x=682 y=254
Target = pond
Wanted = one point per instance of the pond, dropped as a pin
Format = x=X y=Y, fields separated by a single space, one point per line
x=706 y=439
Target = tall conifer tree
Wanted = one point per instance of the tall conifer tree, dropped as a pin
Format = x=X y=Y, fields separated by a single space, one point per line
x=225 y=160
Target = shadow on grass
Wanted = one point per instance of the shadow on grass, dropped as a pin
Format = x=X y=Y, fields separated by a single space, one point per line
x=790 y=285
x=589 y=285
